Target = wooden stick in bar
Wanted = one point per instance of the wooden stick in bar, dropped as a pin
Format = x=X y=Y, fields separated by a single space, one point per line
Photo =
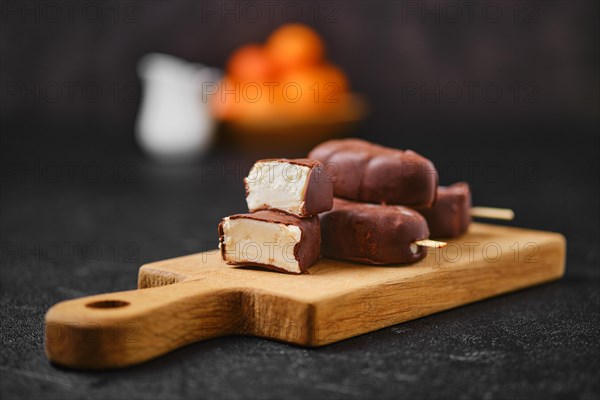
x=493 y=213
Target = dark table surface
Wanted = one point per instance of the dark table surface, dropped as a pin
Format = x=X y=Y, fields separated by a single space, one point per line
x=80 y=214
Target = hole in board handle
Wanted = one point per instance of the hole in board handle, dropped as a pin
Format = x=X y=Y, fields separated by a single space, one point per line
x=107 y=304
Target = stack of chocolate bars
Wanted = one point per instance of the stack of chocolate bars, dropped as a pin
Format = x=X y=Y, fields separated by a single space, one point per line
x=350 y=200
x=282 y=231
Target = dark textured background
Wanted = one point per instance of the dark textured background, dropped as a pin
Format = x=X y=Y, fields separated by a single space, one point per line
x=74 y=183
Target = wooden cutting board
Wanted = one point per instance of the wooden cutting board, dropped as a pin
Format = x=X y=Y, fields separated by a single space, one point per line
x=197 y=297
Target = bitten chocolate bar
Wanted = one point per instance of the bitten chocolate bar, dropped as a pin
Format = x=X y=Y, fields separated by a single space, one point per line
x=299 y=187
x=372 y=234
x=270 y=239
x=451 y=215
x=364 y=171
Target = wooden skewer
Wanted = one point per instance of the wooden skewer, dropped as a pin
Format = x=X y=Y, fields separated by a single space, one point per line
x=493 y=213
x=431 y=243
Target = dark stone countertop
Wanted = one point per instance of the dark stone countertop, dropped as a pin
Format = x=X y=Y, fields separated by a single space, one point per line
x=537 y=343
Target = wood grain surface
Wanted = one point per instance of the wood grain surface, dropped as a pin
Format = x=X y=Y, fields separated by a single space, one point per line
x=196 y=297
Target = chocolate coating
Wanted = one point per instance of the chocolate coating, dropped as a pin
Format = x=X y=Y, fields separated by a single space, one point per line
x=451 y=215
x=318 y=196
x=371 y=233
x=306 y=251
x=368 y=172
x=319 y=193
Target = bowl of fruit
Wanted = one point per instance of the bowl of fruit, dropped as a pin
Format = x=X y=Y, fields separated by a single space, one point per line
x=284 y=93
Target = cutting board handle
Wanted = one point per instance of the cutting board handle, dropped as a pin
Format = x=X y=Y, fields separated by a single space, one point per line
x=124 y=328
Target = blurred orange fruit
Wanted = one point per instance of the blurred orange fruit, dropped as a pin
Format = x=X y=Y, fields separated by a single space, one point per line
x=246 y=100
x=223 y=104
x=285 y=80
x=313 y=90
x=294 y=45
x=250 y=63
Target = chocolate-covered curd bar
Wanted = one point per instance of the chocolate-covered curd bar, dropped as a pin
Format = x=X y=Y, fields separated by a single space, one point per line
x=298 y=186
x=364 y=171
x=372 y=233
x=450 y=217
x=270 y=239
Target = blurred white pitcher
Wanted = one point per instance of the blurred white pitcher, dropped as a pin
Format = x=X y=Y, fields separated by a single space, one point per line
x=174 y=124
